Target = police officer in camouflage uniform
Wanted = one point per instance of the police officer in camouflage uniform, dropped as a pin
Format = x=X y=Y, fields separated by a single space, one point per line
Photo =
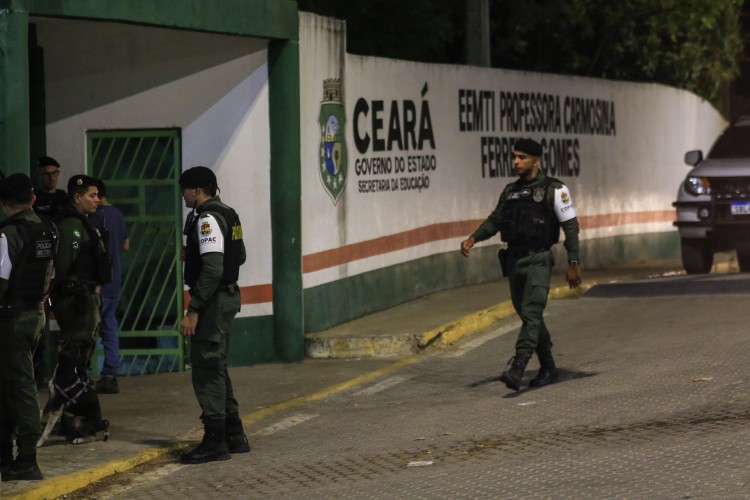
x=27 y=246
x=213 y=255
x=82 y=265
x=528 y=216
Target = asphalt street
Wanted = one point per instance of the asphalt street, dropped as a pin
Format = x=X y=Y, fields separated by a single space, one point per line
x=653 y=403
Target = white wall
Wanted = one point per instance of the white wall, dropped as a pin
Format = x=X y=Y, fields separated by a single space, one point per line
x=623 y=177
x=213 y=87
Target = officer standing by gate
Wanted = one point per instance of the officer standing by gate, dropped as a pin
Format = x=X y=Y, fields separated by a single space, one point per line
x=528 y=216
x=27 y=250
x=213 y=255
x=81 y=267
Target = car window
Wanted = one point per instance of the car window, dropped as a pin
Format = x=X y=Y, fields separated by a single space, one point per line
x=733 y=143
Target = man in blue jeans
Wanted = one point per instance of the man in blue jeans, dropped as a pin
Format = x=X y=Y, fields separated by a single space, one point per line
x=111 y=222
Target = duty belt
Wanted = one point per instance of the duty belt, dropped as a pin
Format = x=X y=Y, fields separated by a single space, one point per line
x=223 y=287
x=9 y=310
x=76 y=287
x=519 y=251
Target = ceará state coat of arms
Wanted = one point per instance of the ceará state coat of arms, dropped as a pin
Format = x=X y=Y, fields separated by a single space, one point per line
x=332 y=164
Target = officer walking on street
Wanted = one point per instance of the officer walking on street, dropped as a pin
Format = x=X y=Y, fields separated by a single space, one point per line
x=27 y=250
x=528 y=216
x=213 y=255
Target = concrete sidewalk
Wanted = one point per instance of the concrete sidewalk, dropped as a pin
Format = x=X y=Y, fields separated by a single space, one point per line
x=157 y=415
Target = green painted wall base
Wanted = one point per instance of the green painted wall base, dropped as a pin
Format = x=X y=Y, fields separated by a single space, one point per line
x=252 y=341
x=335 y=303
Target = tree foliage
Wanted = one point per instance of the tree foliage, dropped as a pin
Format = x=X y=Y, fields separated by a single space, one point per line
x=691 y=44
x=415 y=30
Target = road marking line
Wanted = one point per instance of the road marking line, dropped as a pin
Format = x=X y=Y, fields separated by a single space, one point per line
x=285 y=424
x=143 y=479
x=479 y=341
x=381 y=386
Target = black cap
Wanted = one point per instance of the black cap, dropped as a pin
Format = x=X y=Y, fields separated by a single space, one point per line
x=197 y=177
x=80 y=182
x=101 y=187
x=528 y=146
x=46 y=161
x=14 y=186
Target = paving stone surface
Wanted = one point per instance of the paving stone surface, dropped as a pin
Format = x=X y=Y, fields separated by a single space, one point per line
x=653 y=402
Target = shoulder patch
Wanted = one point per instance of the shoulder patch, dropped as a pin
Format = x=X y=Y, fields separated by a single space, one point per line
x=6 y=266
x=210 y=237
x=564 y=209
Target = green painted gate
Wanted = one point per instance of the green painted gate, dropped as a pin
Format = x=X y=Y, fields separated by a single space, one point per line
x=141 y=169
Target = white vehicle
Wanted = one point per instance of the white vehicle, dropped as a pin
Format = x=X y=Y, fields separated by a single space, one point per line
x=713 y=203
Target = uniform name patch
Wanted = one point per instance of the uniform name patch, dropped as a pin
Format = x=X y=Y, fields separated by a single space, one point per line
x=44 y=249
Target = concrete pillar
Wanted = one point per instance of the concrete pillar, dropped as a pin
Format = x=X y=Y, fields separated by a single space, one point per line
x=286 y=199
x=14 y=92
x=478 y=33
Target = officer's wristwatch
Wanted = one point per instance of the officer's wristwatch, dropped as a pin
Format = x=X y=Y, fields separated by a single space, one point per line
x=573 y=263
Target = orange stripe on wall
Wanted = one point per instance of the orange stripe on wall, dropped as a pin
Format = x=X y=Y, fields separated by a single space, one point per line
x=446 y=230
x=385 y=244
x=259 y=294
x=623 y=218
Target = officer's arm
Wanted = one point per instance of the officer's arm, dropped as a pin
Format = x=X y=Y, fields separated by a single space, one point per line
x=212 y=260
x=11 y=246
x=570 y=229
x=70 y=240
x=208 y=280
x=562 y=205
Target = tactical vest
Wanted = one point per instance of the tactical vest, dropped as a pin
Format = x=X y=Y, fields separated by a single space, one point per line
x=93 y=262
x=526 y=219
x=232 y=246
x=31 y=275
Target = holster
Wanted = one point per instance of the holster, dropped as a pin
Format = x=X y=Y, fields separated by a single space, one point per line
x=502 y=256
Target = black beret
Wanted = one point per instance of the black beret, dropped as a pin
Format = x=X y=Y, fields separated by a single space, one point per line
x=197 y=177
x=46 y=161
x=15 y=185
x=80 y=182
x=528 y=146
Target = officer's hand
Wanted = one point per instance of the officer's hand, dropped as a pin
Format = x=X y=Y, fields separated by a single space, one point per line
x=466 y=246
x=188 y=324
x=573 y=276
x=182 y=253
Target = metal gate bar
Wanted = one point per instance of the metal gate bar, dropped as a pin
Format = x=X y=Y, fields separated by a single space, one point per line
x=141 y=169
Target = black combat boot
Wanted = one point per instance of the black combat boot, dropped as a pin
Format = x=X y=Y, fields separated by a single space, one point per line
x=236 y=438
x=6 y=449
x=24 y=467
x=213 y=448
x=547 y=370
x=513 y=373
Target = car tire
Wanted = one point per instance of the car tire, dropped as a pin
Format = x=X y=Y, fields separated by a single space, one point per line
x=696 y=257
x=743 y=259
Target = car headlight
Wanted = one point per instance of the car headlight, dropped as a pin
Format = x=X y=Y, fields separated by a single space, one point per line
x=697 y=185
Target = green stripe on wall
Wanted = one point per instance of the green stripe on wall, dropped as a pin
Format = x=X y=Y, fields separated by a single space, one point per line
x=252 y=341
x=334 y=303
